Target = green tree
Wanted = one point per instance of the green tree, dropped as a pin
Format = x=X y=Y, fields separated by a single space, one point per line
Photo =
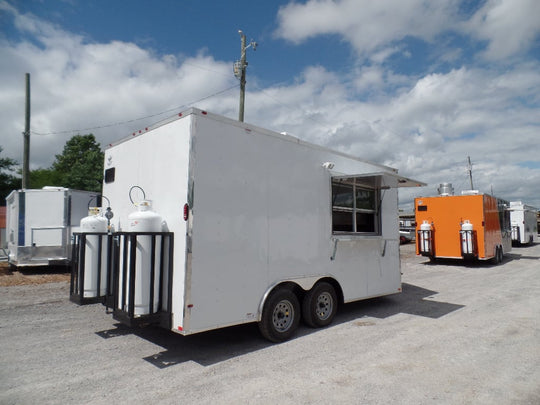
x=8 y=181
x=80 y=166
x=40 y=178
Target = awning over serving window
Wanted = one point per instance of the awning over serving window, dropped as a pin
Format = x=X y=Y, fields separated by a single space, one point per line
x=379 y=180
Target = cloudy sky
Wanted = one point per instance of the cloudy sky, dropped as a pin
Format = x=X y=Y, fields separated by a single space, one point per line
x=414 y=84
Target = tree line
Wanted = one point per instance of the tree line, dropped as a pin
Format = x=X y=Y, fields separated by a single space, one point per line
x=79 y=167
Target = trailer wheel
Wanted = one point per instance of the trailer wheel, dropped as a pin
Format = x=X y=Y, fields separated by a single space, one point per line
x=280 y=315
x=495 y=259
x=319 y=305
x=498 y=258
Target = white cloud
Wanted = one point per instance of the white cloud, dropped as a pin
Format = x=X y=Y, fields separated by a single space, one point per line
x=509 y=26
x=425 y=126
x=367 y=25
x=80 y=85
x=428 y=131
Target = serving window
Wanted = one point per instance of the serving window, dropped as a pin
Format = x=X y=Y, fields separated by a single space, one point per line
x=355 y=207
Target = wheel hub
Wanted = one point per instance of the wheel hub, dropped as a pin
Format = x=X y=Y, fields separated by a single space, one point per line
x=324 y=305
x=283 y=315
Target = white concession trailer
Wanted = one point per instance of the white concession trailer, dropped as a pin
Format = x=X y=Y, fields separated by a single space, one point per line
x=524 y=223
x=255 y=226
x=39 y=224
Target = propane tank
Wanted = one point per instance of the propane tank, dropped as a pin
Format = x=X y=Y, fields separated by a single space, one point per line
x=141 y=221
x=144 y=219
x=467 y=242
x=425 y=237
x=94 y=223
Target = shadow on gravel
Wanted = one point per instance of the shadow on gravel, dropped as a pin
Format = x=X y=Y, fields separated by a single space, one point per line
x=215 y=346
x=206 y=348
x=413 y=300
x=514 y=256
x=468 y=263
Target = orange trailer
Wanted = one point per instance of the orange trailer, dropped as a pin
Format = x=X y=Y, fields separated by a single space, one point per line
x=474 y=226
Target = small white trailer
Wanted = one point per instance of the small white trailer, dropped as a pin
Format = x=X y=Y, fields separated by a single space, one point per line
x=256 y=226
x=524 y=223
x=39 y=224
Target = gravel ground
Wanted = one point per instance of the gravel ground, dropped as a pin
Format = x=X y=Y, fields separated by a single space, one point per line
x=32 y=275
x=458 y=334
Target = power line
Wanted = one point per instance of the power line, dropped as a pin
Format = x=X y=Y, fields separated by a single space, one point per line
x=135 y=119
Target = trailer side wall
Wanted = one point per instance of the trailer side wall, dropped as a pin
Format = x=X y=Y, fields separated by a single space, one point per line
x=157 y=161
x=262 y=214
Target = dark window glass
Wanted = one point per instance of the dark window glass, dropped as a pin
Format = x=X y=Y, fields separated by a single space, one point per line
x=342 y=221
x=365 y=222
x=342 y=195
x=365 y=199
x=109 y=175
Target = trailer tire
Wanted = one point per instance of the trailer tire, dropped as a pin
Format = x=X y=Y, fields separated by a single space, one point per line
x=319 y=305
x=497 y=259
x=280 y=316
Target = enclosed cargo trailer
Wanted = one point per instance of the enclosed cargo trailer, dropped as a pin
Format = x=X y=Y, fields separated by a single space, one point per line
x=469 y=226
x=257 y=226
x=40 y=223
x=524 y=223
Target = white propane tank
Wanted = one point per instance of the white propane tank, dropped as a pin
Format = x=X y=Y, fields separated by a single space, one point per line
x=94 y=223
x=467 y=246
x=145 y=220
x=425 y=237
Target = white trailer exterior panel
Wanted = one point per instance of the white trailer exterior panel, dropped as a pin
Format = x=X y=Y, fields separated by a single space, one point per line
x=524 y=223
x=40 y=223
x=158 y=162
x=260 y=215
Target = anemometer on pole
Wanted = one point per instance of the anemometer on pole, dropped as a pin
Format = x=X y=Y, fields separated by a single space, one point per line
x=240 y=71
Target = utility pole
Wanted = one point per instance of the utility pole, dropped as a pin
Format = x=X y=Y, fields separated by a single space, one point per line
x=26 y=135
x=469 y=169
x=240 y=71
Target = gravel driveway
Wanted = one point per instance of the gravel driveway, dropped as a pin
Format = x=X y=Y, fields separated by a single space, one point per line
x=458 y=334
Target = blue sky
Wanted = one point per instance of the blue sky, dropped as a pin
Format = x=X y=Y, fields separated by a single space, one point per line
x=413 y=84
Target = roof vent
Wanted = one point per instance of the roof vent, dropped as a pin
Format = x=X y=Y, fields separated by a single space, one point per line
x=470 y=192
x=445 y=189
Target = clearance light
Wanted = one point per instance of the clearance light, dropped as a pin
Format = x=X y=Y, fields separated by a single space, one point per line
x=186 y=212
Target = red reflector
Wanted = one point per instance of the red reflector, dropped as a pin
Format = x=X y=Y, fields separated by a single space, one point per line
x=146 y=129
x=180 y=328
x=204 y=112
x=190 y=306
x=179 y=114
x=186 y=212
